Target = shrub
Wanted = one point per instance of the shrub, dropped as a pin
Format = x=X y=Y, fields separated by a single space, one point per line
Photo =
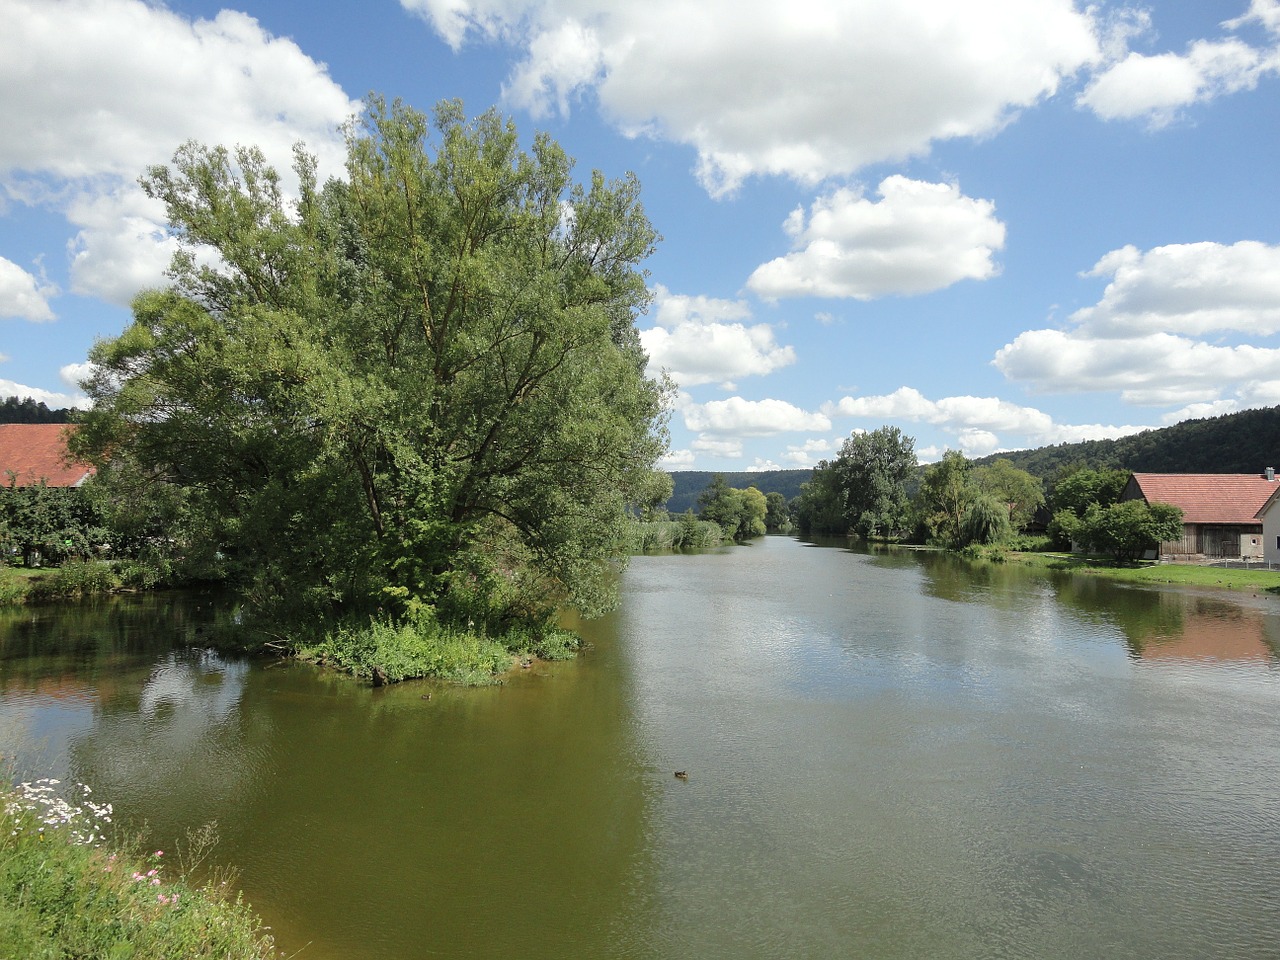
x=78 y=578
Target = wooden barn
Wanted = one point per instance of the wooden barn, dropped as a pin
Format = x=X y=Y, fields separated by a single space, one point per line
x=1220 y=511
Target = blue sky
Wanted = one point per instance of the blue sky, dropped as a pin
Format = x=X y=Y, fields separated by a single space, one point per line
x=996 y=224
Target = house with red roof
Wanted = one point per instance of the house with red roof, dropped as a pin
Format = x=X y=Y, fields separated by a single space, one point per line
x=31 y=452
x=1220 y=511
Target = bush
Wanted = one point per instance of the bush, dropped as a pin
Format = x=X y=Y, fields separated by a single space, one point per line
x=77 y=578
x=66 y=891
x=387 y=651
x=686 y=533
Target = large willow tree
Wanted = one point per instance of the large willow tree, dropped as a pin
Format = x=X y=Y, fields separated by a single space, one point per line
x=417 y=385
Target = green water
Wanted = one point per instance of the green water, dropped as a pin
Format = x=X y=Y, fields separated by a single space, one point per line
x=888 y=755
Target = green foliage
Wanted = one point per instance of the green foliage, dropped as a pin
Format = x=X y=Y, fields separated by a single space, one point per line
x=421 y=647
x=985 y=521
x=871 y=474
x=740 y=514
x=777 y=517
x=1078 y=490
x=863 y=490
x=1128 y=529
x=1020 y=492
x=944 y=496
x=64 y=892
x=47 y=525
x=684 y=533
x=687 y=485
x=421 y=385
x=73 y=580
x=820 y=506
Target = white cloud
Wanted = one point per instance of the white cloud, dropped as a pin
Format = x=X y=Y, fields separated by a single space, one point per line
x=94 y=91
x=724 y=448
x=128 y=82
x=751 y=84
x=979 y=423
x=1156 y=370
x=1140 y=339
x=1157 y=87
x=1192 y=288
x=123 y=245
x=72 y=373
x=703 y=340
x=1263 y=12
x=54 y=401
x=24 y=296
x=1200 y=411
x=917 y=238
x=677 y=460
x=762 y=465
x=752 y=418
x=808 y=453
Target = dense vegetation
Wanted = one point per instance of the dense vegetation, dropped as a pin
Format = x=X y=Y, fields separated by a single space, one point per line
x=960 y=504
x=1244 y=442
x=416 y=394
x=28 y=410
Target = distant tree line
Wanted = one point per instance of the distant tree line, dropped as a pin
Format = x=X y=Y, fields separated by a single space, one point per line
x=960 y=504
x=29 y=410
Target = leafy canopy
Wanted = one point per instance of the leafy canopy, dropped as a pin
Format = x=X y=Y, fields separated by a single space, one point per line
x=419 y=386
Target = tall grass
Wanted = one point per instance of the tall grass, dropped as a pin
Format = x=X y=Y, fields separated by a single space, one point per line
x=682 y=534
x=67 y=891
x=387 y=651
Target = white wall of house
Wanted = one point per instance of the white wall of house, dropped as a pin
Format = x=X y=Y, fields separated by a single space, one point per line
x=1271 y=533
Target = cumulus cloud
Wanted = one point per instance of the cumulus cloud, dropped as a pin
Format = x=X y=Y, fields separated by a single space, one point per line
x=918 y=237
x=1155 y=370
x=725 y=448
x=980 y=424
x=1157 y=87
x=1192 y=288
x=1142 y=338
x=51 y=399
x=24 y=296
x=751 y=84
x=751 y=418
x=94 y=91
x=808 y=453
x=677 y=460
x=700 y=340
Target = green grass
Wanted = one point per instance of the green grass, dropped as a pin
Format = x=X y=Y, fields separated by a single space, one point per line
x=423 y=648
x=1255 y=579
x=66 y=892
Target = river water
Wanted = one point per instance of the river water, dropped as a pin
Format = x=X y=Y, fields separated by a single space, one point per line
x=888 y=754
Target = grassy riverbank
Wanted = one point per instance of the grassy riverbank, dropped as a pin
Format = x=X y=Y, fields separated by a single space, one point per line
x=65 y=891
x=1256 y=579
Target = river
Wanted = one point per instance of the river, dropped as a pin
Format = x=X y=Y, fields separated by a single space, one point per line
x=891 y=754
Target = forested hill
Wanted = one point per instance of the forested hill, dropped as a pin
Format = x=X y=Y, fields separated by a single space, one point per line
x=1246 y=442
x=687 y=484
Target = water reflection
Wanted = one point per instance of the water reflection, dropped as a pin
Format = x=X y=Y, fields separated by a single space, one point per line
x=890 y=754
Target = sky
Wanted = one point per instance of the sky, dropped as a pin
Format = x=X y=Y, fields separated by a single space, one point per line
x=995 y=225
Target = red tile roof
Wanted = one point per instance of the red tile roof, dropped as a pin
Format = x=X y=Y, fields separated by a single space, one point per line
x=32 y=451
x=1209 y=497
